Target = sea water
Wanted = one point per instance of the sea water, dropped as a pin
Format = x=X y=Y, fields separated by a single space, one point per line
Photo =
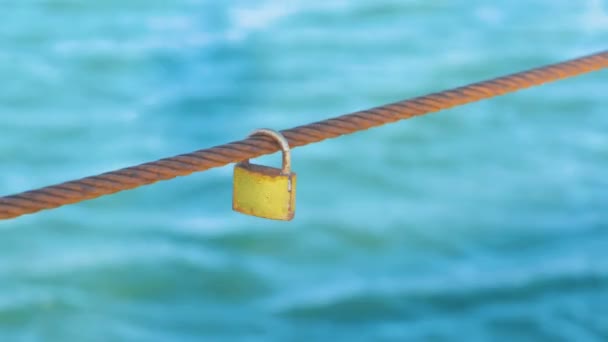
x=484 y=222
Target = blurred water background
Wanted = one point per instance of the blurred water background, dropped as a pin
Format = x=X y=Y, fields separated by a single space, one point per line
x=486 y=222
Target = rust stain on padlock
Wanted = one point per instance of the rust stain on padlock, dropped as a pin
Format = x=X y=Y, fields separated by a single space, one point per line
x=266 y=191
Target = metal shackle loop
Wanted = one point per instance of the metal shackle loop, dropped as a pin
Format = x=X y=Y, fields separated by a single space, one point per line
x=284 y=144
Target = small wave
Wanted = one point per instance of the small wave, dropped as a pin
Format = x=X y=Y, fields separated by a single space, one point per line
x=103 y=257
x=454 y=293
x=133 y=48
x=174 y=22
x=204 y=226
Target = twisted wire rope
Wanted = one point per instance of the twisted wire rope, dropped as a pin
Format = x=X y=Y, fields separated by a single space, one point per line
x=135 y=176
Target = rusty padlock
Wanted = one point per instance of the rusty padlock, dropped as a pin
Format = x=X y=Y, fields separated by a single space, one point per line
x=266 y=191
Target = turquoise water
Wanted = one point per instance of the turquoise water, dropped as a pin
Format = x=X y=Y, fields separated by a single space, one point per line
x=487 y=222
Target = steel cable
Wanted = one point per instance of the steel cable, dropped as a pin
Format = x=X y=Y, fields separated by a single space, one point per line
x=132 y=177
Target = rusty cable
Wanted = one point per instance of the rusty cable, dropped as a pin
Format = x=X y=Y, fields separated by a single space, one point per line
x=132 y=177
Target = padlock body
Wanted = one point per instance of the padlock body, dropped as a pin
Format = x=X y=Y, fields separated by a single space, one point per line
x=264 y=192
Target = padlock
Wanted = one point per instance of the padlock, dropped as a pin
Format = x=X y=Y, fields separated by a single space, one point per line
x=266 y=191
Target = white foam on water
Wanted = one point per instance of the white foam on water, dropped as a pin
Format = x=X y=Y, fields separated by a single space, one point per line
x=595 y=16
x=249 y=19
x=489 y=15
x=246 y=20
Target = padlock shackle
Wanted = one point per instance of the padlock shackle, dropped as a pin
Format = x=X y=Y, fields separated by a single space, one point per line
x=284 y=144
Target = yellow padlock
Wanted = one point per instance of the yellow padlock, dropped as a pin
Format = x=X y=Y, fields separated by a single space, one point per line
x=266 y=191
